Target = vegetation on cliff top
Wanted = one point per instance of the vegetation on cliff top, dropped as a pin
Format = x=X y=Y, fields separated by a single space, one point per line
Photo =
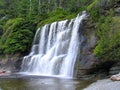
x=107 y=29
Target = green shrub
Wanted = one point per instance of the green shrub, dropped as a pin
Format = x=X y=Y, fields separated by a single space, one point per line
x=18 y=41
x=108 y=47
x=17 y=37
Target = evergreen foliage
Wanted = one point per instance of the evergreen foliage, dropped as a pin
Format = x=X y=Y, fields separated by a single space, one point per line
x=107 y=31
x=17 y=36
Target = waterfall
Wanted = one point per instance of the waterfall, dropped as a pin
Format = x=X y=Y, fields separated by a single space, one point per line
x=55 y=48
x=39 y=3
x=30 y=6
x=48 y=1
x=60 y=3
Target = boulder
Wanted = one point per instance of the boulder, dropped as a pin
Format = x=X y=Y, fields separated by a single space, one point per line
x=2 y=71
x=115 y=77
x=104 y=84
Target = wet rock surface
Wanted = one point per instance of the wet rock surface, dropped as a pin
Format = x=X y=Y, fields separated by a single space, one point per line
x=11 y=64
x=105 y=84
x=87 y=61
x=115 y=69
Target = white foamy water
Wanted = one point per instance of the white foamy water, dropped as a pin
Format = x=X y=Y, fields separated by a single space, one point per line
x=55 y=49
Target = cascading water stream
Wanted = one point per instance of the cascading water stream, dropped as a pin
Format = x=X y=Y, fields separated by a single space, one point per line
x=39 y=4
x=55 y=48
x=30 y=6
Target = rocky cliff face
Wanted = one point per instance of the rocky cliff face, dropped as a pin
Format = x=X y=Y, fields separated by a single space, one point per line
x=87 y=62
x=11 y=63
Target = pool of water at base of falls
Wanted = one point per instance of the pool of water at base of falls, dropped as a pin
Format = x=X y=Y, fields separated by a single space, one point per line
x=33 y=82
x=21 y=82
